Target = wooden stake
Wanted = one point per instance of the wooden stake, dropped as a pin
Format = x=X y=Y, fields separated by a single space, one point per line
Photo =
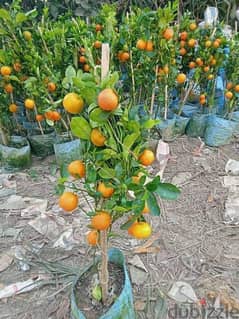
x=38 y=122
x=166 y=102
x=105 y=60
x=153 y=92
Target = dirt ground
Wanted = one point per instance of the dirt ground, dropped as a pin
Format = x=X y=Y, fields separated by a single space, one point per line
x=196 y=245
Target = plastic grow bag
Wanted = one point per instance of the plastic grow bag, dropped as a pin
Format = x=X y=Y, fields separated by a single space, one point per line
x=197 y=125
x=17 y=155
x=189 y=110
x=167 y=129
x=123 y=307
x=180 y=125
x=42 y=145
x=67 y=152
x=219 y=131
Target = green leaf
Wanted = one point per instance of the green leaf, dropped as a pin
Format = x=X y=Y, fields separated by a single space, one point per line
x=80 y=128
x=153 y=205
x=130 y=222
x=150 y=123
x=4 y=14
x=99 y=116
x=91 y=175
x=107 y=154
x=96 y=293
x=130 y=140
x=167 y=191
x=20 y=17
x=110 y=80
x=70 y=72
x=106 y=172
x=152 y=186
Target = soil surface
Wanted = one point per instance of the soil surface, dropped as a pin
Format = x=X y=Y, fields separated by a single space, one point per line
x=191 y=243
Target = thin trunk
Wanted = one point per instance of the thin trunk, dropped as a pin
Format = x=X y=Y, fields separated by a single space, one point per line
x=104 y=274
x=3 y=134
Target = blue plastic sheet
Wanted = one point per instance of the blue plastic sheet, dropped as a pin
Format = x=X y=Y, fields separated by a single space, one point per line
x=123 y=307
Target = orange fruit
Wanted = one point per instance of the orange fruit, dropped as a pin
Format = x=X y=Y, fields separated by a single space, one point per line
x=140 y=230
x=146 y=210
x=98 y=27
x=229 y=95
x=82 y=50
x=182 y=51
x=27 y=35
x=73 y=103
x=17 y=66
x=48 y=115
x=147 y=157
x=97 y=138
x=210 y=77
x=216 y=44
x=82 y=59
x=229 y=85
x=206 y=69
x=192 y=65
x=202 y=97
x=86 y=67
x=51 y=86
x=213 y=61
x=55 y=116
x=97 y=44
x=202 y=101
x=29 y=104
x=92 y=237
x=199 y=61
x=141 y=44
x=168 y=34
x=5 y=70
x=166 y=69
x=8 y=88
x=149 y=46
x=181 y=78
x=105 y=191
x=136 y=178
x=191 y=43
x=183 y=35
x=101 y=221
x=39 y=117
x=13 y=108
x=76 y=169
x=208 y=44
x=68 y=201
x=192 y=26
x=182 y=44
x=124 y=56
x=236 y=88
x=108 y=100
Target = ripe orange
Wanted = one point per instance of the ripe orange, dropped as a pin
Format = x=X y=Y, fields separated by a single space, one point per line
x=206 y=69
x=192 y=26
x=182 y=51
x=73 y=103
x=51 y=86
x=124 y=56
x=208 y=44
x=27 y=35
x=82 y=59
x=229 y=95
x=68 y=201
x=202 y=101
x=202 y=97
x=191 y=43
x=146 y=210
x=229 y=85
x=76 y=169
x=166 y=69
x=182 y=44
x=216 y=44
x=141 y=44
x=199 y=61
x=210 y=77
x=98 y=27
x=29 y=104
x=108 y=100
x=48 y=115
x=168 y=34
x=147 y=157
x=8 y=88
x=136 y=178
x=39 y=117
x=86 y=67
x=236 y=88
x=101 y=221
x=183 y=35
x=181 y=78
x=17 y=66
x=105 y=191
x=192 y=65
x=92 y=237
x=6 y=70
x=213 y=61
x=97 y=138
x=97 y=44
x=55 y=116
x=13 y=108
x=149 y=46
x=140 y=230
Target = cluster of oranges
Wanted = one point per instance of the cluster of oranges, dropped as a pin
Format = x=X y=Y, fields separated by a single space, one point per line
x=83 y=61
x=231 y=90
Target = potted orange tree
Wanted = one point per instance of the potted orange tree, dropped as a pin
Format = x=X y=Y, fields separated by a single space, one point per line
x=112 y=171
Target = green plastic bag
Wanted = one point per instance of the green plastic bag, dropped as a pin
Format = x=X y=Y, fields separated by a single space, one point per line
x=123 y=307
x=17 y=155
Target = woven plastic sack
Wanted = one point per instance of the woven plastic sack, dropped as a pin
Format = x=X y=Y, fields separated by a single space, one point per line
x=17 y=156
x=42 y=145
x=123 y=307
x=197 y=125
x=67 y=152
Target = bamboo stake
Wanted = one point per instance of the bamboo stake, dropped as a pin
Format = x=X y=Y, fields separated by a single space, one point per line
x=38 y=122
x=153 y=91
x=166 y=102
